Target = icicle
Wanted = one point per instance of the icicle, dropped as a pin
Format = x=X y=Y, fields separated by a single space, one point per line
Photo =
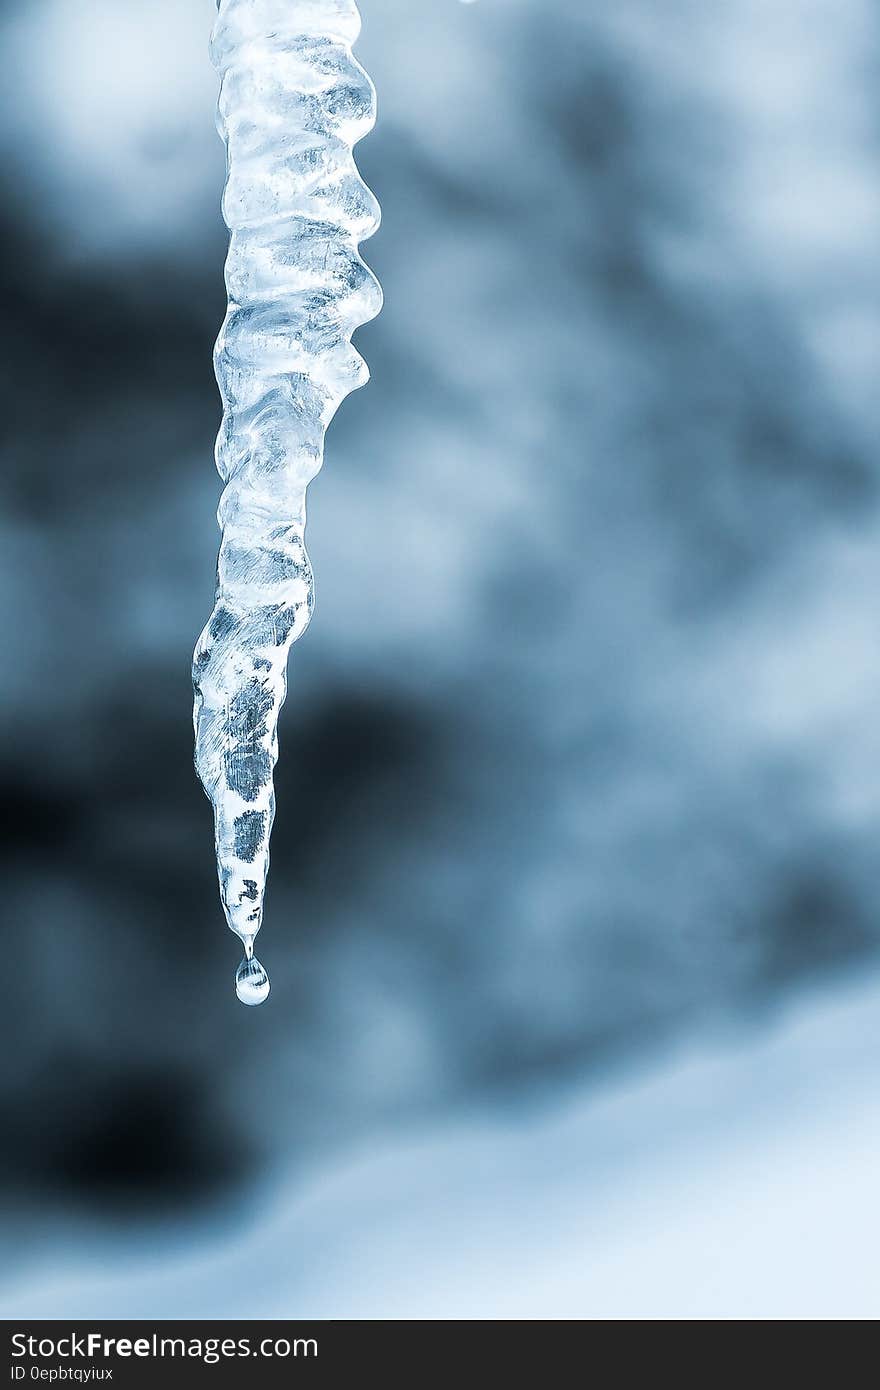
x=293 y=103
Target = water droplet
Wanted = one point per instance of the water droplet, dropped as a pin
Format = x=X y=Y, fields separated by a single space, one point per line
x=251 y=982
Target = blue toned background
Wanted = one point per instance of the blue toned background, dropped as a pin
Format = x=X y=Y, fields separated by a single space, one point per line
x=574 y=915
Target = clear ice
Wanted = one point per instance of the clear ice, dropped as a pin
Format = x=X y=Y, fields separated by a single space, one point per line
x=293 y=104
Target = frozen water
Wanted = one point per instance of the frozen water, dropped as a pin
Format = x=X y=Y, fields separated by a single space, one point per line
x=293 y=103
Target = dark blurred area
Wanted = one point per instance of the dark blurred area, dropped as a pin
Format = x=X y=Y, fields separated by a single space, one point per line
x=579 y=757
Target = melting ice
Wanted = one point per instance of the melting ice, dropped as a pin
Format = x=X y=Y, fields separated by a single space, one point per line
x=293 y=103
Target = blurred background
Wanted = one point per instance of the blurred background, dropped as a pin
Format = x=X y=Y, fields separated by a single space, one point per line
x=573 y=916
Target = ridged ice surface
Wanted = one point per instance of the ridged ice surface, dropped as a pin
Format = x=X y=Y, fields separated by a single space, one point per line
x=293 y=103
